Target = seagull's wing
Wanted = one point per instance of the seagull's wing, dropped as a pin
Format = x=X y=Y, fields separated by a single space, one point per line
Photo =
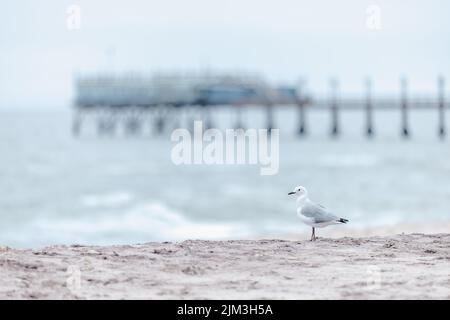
x=317 y=213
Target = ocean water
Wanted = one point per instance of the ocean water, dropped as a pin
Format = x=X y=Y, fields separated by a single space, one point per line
x=57 y=189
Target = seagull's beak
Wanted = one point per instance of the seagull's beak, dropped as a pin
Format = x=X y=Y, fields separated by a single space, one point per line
x=292 y=192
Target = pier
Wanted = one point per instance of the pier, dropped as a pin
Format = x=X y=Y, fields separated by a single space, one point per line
x=135 y=105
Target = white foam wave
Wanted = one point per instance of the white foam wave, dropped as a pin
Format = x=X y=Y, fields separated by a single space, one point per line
x=143 y=223
x=112 y=199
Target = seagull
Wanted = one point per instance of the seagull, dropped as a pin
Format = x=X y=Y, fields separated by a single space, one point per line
x=312 y=214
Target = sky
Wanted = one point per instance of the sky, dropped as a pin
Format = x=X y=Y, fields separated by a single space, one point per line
x=284 y=40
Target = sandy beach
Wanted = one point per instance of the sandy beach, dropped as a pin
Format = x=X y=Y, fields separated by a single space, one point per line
x=413 y=266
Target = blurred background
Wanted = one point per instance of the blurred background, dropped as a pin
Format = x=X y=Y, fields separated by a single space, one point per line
x=90 y=92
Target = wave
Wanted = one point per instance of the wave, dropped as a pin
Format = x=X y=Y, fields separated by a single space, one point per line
x=143 y=223
x=112 y=199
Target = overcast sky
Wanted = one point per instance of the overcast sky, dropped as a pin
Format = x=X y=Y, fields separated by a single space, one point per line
x=283 y=39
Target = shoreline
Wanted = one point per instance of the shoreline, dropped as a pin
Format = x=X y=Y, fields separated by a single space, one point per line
x=340 y=231
x=407 y=266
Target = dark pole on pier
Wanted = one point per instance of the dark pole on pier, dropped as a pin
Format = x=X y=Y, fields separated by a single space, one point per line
x=160 y=122
x=269 y=110
x=133 y=122
x=334 y=108
x=105 y=121
x=441 y=107
x=301 y=103
x=302 y=118
x=369 y=109
x=269 y=95
x=404 y=106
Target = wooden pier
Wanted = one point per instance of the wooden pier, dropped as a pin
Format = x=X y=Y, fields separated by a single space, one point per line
x=155 y=119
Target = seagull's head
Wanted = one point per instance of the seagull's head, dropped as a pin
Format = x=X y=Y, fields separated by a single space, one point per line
x=299 y=191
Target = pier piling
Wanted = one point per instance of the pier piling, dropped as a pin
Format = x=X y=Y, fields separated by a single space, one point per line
x=404 y=107
x=334 y=108
x=301 y=103
x=441 y=106
x=269 y=112
x=302 y=118
x=133 y=122
x=369 y=118
x=160 y=120
x=106 y=122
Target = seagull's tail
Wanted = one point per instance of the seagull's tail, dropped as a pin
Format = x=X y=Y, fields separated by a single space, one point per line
x=341 y=220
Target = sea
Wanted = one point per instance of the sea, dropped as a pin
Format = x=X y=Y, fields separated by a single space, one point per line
x=57 y=188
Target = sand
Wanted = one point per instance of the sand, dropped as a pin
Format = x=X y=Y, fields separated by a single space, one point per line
x=414 y=266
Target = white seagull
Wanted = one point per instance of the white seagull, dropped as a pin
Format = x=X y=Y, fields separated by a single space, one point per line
x=313 y=214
